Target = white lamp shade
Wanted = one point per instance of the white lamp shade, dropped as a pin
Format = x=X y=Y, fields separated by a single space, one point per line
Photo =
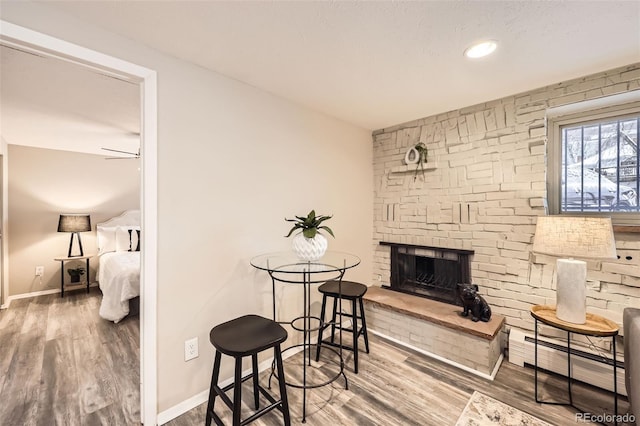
x=571 y=236
x=568 y=237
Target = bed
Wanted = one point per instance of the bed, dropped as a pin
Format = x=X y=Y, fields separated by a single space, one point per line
x=119 y=265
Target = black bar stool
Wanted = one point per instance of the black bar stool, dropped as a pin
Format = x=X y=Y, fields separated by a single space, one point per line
x=241 y=337
x=353 y=292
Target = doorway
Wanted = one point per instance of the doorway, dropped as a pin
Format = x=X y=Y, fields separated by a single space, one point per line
x=25 y=39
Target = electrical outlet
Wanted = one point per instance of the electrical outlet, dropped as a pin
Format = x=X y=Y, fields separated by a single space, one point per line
x=39 y=271
x=190 y=349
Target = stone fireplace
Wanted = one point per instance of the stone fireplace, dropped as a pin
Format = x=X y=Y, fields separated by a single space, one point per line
x=418 y=309
x=431 y=272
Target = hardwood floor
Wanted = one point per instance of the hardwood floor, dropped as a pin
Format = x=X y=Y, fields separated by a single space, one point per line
x=396 y=386
x=61 y=364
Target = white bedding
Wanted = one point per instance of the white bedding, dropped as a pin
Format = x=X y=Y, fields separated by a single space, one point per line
x=119 y=279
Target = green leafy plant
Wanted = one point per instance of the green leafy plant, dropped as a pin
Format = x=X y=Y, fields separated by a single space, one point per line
x=422 y=158
x=75 y=272
x=310 y=224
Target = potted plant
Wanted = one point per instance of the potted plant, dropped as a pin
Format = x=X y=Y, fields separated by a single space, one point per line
x=422 y=158
x=309 y=244
x=75 y=274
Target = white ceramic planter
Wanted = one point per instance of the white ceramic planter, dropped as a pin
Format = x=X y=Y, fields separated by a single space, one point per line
x=309 y=249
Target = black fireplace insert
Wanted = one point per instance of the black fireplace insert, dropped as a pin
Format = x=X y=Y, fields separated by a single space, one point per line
x=431 y=272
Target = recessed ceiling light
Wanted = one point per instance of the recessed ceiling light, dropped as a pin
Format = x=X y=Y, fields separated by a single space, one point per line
x=481 y=49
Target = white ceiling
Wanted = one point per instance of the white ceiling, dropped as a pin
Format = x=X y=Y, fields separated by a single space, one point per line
x=50 y=103
x=376 y=64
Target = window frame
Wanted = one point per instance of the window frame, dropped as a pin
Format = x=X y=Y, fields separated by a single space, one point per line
x=581 y=114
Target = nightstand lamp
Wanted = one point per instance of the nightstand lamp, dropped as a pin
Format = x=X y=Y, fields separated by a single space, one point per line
x=568 y=237
x=74 y=223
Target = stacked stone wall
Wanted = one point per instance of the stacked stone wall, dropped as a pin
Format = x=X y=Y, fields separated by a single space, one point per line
x=485 y=193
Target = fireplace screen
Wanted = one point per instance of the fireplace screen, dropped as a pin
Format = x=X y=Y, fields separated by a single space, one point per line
x=429 y=272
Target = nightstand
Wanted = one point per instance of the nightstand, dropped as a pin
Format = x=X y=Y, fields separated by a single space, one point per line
x=68 y=259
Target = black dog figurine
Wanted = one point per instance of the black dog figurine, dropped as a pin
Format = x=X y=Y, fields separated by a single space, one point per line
x=474 y=303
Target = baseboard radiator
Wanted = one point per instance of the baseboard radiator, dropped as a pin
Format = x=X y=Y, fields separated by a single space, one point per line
x=586 y=366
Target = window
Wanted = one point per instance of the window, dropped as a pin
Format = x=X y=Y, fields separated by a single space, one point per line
x=594 y=164
x=600 y=166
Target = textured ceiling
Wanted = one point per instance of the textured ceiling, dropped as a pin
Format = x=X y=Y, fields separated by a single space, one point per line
x=50 y=103
x=376 y=64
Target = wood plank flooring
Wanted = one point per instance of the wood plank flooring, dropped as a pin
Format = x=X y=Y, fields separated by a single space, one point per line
x=396 y=386
x=61 y=364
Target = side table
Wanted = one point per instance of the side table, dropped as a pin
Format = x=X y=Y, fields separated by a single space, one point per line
x=596 y=326
x=68 y=259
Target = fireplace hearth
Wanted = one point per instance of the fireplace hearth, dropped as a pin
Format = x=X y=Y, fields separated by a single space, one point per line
x=431 y=272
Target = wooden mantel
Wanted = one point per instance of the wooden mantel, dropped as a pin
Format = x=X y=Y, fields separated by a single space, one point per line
x=433 y=311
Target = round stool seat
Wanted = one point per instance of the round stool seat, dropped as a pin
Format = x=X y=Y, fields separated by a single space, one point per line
x=350 y=289
x=247 y=335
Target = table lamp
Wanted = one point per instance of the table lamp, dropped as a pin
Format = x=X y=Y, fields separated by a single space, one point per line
x=567 y=237
x=74 y=223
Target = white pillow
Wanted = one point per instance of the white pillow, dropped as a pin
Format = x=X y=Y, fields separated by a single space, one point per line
x=106 y=239
x=127 y=238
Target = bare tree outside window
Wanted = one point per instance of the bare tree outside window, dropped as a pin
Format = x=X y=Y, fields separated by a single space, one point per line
x=600 y=166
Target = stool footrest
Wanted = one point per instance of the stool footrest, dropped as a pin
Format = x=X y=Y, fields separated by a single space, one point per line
x=337 y=345
x=347 y=314
x=274 y=404
x=267 y=395
x=221 y=393
x=337 y=327
x=230 y=385
x=217 y=419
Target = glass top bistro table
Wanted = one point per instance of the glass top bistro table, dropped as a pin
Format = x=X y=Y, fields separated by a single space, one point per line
x=286 y=267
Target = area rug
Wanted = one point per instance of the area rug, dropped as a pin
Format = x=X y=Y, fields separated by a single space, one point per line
x=483 y=410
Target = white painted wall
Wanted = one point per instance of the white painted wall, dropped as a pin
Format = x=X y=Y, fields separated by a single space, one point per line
x=233 y=162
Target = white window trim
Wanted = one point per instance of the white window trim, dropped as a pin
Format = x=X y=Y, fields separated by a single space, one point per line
x=579 y=113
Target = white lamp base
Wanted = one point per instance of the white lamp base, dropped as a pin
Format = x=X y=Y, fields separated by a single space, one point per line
x=571 y=295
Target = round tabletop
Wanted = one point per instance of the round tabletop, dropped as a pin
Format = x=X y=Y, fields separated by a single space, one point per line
x=594 y=326
x=288 y=266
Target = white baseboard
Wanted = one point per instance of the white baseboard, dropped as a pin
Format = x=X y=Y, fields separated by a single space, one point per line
x=32 y=294
x=45 y=292
x=202 y=397
x=187 y=405
x=445 y=360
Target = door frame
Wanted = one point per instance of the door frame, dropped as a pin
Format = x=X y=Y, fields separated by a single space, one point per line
x=11 y=34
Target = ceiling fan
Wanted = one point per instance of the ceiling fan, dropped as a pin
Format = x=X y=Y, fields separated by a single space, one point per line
x=129 y=155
